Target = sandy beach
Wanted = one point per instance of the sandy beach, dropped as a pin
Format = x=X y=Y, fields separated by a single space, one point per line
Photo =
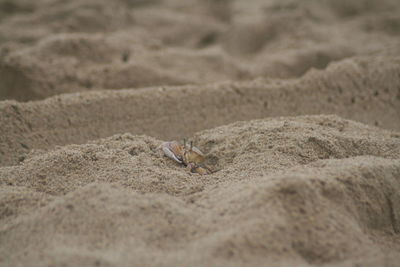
x=295 y=105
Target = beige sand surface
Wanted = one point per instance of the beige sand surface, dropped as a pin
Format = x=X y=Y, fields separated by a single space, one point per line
x=295 y=103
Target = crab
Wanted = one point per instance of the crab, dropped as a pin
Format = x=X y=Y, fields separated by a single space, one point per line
x=187 y=155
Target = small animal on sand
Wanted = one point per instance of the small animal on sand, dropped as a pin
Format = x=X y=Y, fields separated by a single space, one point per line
x=188 y=155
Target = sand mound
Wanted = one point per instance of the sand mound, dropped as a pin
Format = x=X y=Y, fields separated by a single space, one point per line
x=313 y=189
x=363 y=89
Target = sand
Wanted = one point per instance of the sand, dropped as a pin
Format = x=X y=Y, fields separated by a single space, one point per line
x=296 y=105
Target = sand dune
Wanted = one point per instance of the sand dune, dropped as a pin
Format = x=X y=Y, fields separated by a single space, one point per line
x=359 y=89
x=296 y=105
x=309 y=190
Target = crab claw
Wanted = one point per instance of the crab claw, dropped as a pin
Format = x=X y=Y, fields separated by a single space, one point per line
x=173 y=150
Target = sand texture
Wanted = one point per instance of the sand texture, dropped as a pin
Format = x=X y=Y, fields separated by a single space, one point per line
x=296 y=105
